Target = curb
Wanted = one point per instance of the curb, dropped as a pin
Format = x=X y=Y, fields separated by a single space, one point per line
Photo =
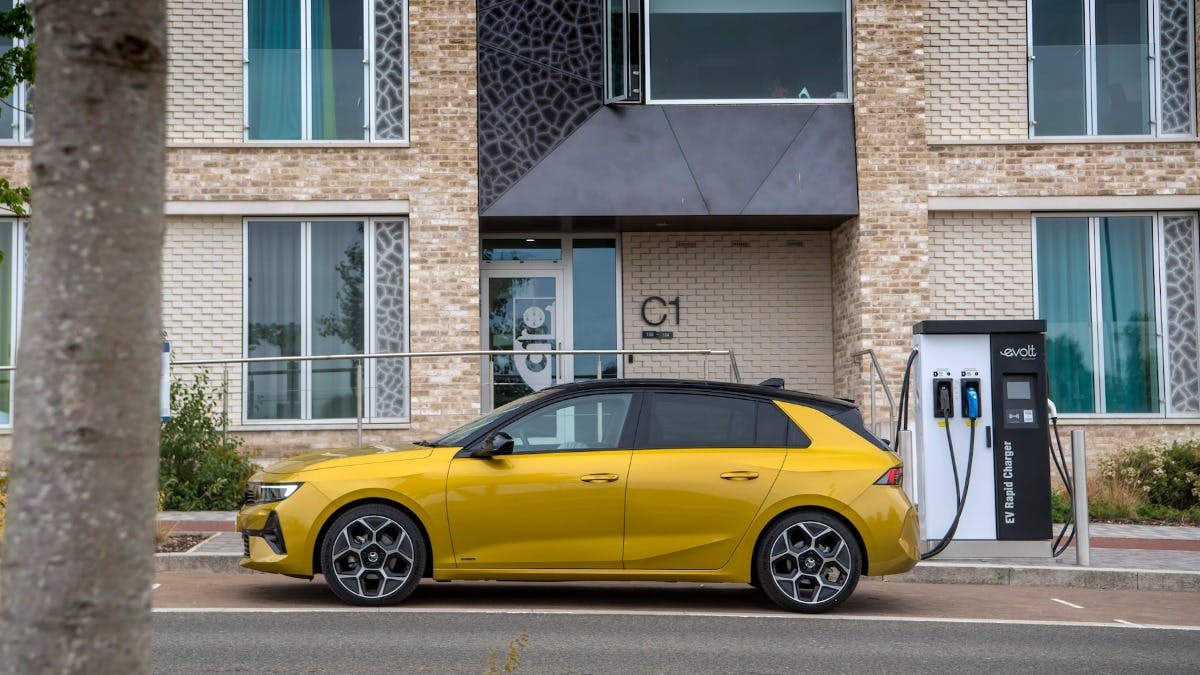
x=926 y=573
x=1066 y=577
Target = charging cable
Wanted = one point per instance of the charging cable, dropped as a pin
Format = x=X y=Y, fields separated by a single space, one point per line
x=960 y=493
x=1063 y=540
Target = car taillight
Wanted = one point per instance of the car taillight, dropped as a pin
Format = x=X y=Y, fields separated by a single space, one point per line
x=892 y=477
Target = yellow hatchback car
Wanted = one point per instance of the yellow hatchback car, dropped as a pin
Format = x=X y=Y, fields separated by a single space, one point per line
x=662 y=480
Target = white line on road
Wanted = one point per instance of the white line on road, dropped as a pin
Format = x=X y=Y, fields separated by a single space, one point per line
x=1068 y=604
x=608 y=612
x=154 y=587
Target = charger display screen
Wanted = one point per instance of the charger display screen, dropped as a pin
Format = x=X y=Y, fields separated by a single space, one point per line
x=1018 y=390
x=1020 y=411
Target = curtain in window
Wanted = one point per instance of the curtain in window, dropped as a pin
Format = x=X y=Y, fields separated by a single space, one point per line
x=1064 y=301
x=273 y=290
x=7 y=301
x=1127 y=299
x=273 y=87
x=338 y=84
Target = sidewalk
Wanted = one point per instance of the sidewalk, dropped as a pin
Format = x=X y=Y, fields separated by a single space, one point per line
x=1152 y=557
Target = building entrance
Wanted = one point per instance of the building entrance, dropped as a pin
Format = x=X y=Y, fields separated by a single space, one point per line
x=547 y=293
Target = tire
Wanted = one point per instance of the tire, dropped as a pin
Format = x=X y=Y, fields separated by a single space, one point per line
x=808 y=561
x=373 y=555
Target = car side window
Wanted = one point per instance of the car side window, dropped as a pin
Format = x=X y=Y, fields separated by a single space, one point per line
x=583 y=423
x=699 y=421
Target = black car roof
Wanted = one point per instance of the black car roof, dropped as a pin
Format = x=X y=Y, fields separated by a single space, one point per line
x=831 y=406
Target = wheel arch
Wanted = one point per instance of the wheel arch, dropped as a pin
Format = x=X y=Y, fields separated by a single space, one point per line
x=854 y=530
x=318 y=543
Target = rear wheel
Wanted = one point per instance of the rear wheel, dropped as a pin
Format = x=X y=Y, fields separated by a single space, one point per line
x=373 y=555
x=808 y=562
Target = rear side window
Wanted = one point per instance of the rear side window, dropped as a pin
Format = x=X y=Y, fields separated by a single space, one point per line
x=708 y=421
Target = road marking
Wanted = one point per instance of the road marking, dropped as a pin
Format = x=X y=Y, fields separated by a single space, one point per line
x=1128 y=623
x=614 y=612
x=154 y=587
x=1068 y=604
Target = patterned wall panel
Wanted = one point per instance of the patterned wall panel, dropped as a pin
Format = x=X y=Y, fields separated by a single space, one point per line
x=389 y=70
x=1180 y=252
x=391 y=376
x=540 y=78
x=1174 y=66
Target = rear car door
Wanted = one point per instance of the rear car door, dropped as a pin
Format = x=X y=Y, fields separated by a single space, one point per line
x=702 y=466
x=556 y=502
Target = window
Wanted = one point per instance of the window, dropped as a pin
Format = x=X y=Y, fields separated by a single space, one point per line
x=1111 y=67
x=11 y=275
x=702 y=51
x=324 y=288
x=16 y=119
x=326 y=70
x=584 y=423
x=707 y=421
x=1119 y=295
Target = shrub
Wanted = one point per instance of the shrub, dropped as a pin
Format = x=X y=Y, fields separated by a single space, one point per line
x=198 y=469
x=1163 y=475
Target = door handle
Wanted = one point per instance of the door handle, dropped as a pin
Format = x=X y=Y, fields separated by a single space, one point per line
x=740 y=475
x=599 y=477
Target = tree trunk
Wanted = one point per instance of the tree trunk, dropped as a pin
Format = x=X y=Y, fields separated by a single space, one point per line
x=78 y=558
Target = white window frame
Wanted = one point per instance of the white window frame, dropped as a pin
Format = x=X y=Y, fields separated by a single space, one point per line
x=1096 y=308
x=1152 y=63
x=22 y=132
x=647 y=77
x=369 y=338
x=18 y=291
x=369 y=65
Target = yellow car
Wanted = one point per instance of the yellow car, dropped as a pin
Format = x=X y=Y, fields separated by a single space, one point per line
x=663 y=480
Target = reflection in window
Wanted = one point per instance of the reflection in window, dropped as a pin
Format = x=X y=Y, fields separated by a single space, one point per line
x=594 y=285
x=10 y=277
x=583 y=423
x=16 y=119
x=522 y=249
x=305 y=291
x=1095 y=63
x=747 y=49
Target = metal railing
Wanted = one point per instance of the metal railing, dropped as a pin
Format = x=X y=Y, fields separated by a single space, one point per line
x=876 y=376
x=359 y=359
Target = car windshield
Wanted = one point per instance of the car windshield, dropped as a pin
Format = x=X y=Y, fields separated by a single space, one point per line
x=461 y=434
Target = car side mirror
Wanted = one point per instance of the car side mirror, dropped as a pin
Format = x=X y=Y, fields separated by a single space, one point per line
x=498 y=443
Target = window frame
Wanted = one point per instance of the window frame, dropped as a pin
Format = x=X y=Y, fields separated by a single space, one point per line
x=19 y=251
x=645 y=92
x=22 y=133
x=306 y=320
x=369 y=74
x=1095 y=292
x=1152 y=63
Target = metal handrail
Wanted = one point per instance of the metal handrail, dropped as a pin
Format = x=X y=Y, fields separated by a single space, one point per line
x=887 y=391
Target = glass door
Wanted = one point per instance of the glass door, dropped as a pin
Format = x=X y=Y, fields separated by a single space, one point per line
x=523 y=313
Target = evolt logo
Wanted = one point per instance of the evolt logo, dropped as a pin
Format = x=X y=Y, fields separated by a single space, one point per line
x=1027 y=352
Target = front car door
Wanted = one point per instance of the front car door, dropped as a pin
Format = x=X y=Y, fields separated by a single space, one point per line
x=558 y=500
x=702 y=466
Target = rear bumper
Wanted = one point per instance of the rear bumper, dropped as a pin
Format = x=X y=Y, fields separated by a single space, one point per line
x=892 y=536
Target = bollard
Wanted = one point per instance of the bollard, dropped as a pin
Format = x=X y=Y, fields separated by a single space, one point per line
x=1083 y=542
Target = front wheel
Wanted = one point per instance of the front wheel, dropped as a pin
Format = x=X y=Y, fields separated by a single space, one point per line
x=373 y=555
x=808 y=562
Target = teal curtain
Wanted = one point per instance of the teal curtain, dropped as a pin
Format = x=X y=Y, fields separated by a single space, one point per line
x=273 y=86
x=7 y=301
x=338 y=77
x=1128 y=334
x=1064 y=301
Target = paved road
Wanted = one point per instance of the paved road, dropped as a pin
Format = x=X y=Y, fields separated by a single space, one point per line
x=459 y=642
x=260 y=623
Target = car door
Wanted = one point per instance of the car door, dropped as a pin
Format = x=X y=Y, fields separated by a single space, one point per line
x=702 y=466
x=558 y=500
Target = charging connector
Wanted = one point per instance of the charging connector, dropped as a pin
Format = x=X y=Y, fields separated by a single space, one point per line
x=971 y=400
x=943 y=398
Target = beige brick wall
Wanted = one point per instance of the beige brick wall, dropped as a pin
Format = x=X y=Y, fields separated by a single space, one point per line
x=881 y=271
x=976 y=70
x=204 y=71
x=767 y=296
x=980 y=265
x=1061 y=169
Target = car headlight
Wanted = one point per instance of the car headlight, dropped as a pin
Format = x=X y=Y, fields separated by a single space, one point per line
x=265 y=493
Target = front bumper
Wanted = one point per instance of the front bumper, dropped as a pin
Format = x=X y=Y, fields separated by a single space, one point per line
x=278 y=536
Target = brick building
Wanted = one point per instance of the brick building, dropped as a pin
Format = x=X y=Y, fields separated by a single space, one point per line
x=796 y=180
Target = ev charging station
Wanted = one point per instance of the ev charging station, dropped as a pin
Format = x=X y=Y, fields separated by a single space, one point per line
x=981 y=479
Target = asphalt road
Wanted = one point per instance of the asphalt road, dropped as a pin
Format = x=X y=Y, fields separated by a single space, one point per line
x=458 y=642
x=250 y=623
